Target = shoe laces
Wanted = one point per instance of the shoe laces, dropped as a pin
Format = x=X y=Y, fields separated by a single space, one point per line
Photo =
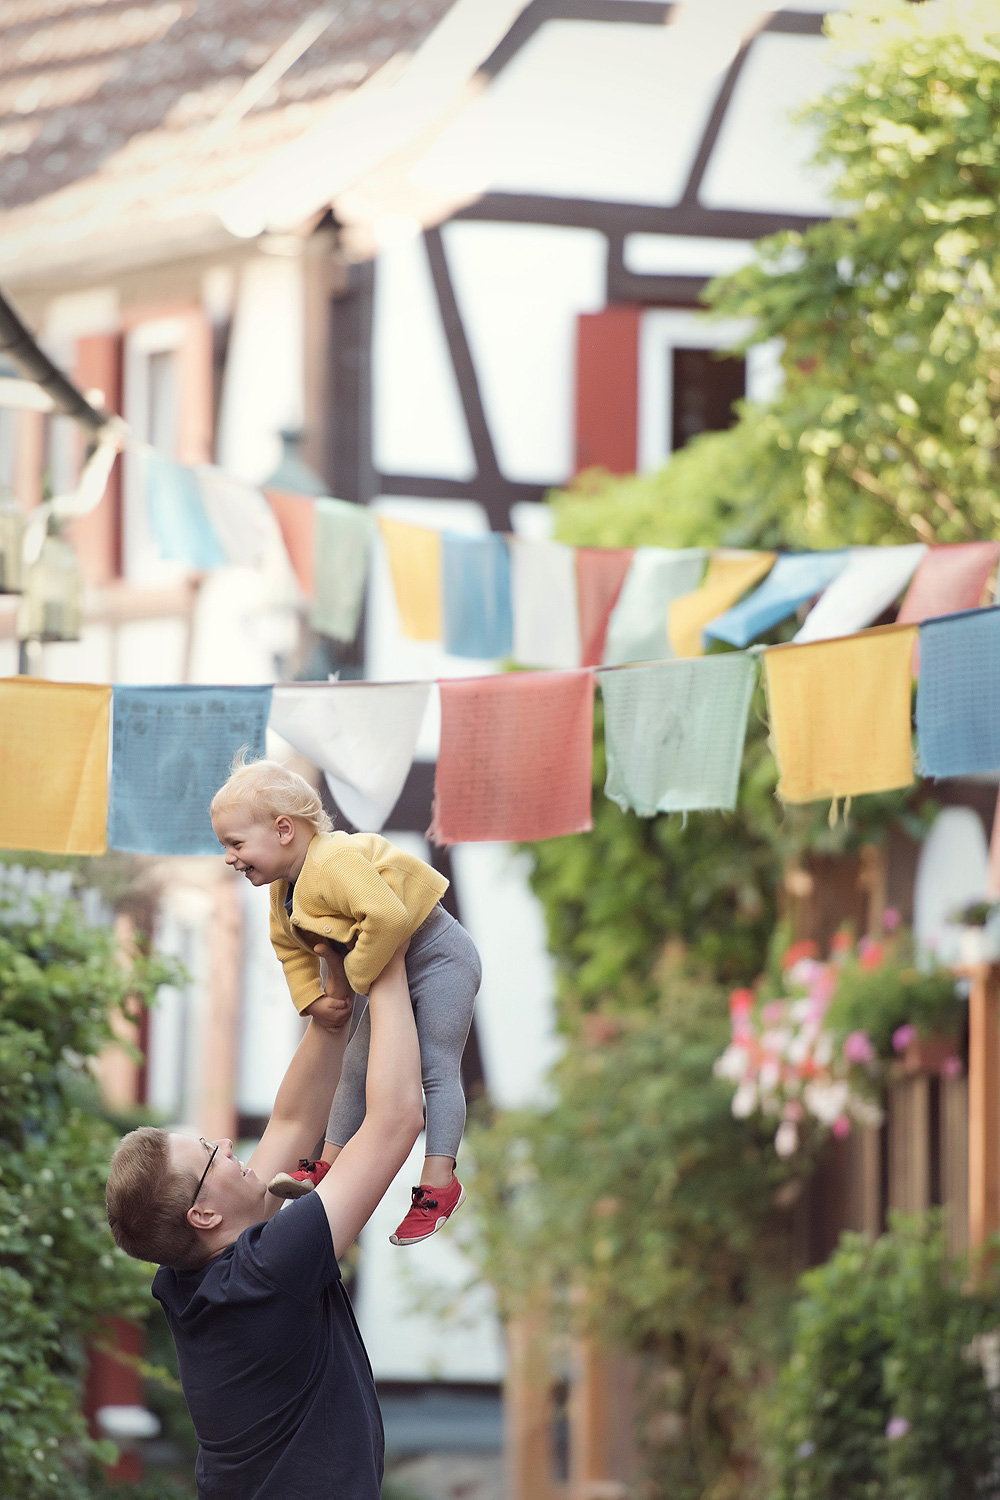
x=305 y=1165
x=422 y=1199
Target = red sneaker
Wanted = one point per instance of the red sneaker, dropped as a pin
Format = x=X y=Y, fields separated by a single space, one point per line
x=431 y=1207
x=297 y=1184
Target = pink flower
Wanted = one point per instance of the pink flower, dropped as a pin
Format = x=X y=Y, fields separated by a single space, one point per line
x=896 y=1427
x=822 y=986
x=841 y=944
x=741 y=1002
x=951 y=1067
x=891 y=919
x=858 y=1048
x=805 y=948
x=773 y=1013
x=903 y=1036
x=841 y=1127
x=870 y=953
x=793 y=1111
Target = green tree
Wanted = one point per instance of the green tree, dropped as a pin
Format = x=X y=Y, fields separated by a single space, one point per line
x=61 y=982
x=888 y=314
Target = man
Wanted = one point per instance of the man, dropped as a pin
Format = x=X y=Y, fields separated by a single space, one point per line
x=274 y=1372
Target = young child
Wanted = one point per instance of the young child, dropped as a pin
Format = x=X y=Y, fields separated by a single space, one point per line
x=361 y=896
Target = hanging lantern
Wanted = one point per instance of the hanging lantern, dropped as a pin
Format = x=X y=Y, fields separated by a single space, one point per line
x=52 y=602
x=293 y=475
x=12 y=524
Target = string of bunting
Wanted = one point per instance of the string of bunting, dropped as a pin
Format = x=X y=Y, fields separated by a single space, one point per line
x=87 y=767
x=516 y=747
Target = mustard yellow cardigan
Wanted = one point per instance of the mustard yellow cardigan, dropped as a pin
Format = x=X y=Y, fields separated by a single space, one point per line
x=357 y=889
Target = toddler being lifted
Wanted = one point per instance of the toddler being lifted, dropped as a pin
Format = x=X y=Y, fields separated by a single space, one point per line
x=360 y=896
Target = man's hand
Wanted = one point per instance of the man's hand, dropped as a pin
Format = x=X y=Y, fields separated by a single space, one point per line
x=334 y=1008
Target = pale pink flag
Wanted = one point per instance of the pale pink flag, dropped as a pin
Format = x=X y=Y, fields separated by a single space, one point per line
x=515 y=757
x=600 y=573
x=949 y=579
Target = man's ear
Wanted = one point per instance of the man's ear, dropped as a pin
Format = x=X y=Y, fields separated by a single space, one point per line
x=203 y=1218
x=285 y=829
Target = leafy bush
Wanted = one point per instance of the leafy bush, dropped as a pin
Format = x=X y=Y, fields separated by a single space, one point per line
x=884 y=1396
x=61 y=982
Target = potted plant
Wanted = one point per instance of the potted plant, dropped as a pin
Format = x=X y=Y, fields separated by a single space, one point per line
x=979 y=938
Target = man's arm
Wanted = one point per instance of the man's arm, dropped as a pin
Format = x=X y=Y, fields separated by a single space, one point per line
x=302 y=1106
x=358 y=1179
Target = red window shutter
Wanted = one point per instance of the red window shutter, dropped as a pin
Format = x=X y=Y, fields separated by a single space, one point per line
x=607 y=390
x=98 y=537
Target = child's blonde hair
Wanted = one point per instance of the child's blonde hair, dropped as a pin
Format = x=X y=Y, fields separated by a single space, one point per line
x=270 y=791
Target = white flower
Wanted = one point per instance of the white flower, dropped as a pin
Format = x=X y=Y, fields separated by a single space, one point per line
x=800 y=1049
x=777 y=1039
x=769 y=1075
x=823 y=1051
x=745 y=1100
x=827 y=1101
x=786 y=1138
x=800 y=1010
x=733 y=1063
x=865 y=1111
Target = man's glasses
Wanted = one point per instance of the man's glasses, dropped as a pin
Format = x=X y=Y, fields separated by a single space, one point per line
x=201 y=1179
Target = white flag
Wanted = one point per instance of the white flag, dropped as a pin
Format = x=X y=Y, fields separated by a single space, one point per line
x=544 y=603
x=872 y=579
x=361 y=734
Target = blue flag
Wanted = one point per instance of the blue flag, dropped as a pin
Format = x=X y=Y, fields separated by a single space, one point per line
x=476 y=588
x=795 y=579
x=177 y=514
x=958 y=697
x=171 y=751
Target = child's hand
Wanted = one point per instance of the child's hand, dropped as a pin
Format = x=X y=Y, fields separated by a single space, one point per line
x=335 y=1006
x=330 y=1011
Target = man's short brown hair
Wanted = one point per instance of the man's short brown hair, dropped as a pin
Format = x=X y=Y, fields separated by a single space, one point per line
x=148 y=1200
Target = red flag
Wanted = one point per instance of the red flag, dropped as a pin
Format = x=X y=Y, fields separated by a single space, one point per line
x=296 y=516
x=515 y=757
x=600 y=573
x=949 y=579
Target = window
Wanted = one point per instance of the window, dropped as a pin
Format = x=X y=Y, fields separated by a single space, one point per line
x=705 y=389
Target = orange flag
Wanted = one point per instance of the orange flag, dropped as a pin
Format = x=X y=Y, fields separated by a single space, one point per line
x=840 y=714
x=54 y=765
x=515 y=757
x=730 y=573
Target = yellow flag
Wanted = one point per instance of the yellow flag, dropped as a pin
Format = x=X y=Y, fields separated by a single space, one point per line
x=729 y=575
x=840 y=714
x=53 y=766
x=415 y=565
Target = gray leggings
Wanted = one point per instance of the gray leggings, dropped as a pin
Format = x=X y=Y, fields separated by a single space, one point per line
x=443 y=972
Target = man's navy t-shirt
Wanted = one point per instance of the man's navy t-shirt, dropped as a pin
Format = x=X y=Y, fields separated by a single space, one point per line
x=275 y=1375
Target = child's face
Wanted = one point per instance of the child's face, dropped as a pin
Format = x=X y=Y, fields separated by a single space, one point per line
x=257 y=850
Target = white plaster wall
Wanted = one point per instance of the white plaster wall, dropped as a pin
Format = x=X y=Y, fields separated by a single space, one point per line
x=515 y=1011
x=418 y=424
x=270 y=1027
x=407 y=1341
x=263 y=387
x=762 y=157
x=520 y=288
x=586 y=110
